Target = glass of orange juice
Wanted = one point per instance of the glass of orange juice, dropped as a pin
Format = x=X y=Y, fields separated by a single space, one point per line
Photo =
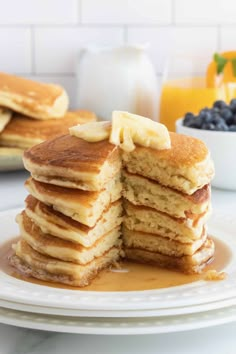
x=184 y=90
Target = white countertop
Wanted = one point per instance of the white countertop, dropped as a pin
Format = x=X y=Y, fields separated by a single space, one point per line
x=219 y=339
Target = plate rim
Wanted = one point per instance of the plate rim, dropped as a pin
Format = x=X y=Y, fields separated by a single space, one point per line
x=118 y=326
x=55 y=311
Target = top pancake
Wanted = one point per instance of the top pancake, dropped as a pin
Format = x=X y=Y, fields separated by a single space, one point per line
x=34 y=99
x=186 y=166
x=24 y=132
x=73 y=162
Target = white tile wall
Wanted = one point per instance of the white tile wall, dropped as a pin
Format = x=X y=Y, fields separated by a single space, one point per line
x=56 y=49
x=193 y=42
x=126 y=11
x=209 y=12
x=41 y=38
x=228 y=38
x=158 y=39
x=39 y=12
x=15 y=50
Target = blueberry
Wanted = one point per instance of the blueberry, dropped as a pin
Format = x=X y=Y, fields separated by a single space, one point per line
x=188 y=115
x=229 y=121
x=226 y=113
x=211 y=126
x=208 y=117
x=233 y=105
x=221 y=126
x=204 y=110
x=232 y=128
x=202 y=114
x=194 y=123
x=219 y=104
x=189 y=123
x=197 y=123
x=188 y=118
x=195 y=126
x=215 y=110
x=208 y=126
x=215 y=118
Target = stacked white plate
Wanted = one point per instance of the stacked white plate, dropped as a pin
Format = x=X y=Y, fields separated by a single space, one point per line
x=195 y=305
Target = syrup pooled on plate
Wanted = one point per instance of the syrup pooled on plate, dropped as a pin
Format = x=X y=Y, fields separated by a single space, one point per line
x=131 y=276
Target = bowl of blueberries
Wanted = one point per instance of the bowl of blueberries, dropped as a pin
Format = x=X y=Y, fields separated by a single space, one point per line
x=216 y=126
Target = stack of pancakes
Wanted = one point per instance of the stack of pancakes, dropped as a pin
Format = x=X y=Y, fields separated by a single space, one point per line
x=31 y=112
x=167 y=203
x=71 y=225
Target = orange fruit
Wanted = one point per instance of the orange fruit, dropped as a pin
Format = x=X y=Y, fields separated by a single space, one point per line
x=214 y=79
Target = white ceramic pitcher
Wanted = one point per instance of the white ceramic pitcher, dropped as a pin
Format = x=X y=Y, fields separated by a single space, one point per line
x=120 y=78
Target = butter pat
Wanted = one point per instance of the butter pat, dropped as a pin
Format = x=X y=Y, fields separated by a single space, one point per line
x=92 y=132
x=130 y=129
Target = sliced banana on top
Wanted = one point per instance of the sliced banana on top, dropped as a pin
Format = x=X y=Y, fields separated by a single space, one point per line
x=93 y=131
x=130 y=129
x=125 y=131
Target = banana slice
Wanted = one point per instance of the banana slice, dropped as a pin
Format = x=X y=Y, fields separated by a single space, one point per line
x=130 y=129
x=93 y=131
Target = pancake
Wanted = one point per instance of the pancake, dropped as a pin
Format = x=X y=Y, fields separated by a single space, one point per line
x=5 y=117
x=160 y=244
x=143 y=191
x=186 y=166
x=187 y=264
x=149 y=220
x=72 y=162
x=33 y=264
x=55 y=223
x=83 y=206
x=62 y=249
x=25 y=132
x=34 y=99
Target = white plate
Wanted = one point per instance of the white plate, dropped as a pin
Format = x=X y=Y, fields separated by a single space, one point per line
x=11 y=160
x=194 y=294
x=117 y=326
x=113 y=314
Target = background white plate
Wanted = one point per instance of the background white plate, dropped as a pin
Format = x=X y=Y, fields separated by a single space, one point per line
x=117 y=326
x=202 y=292
x=11 y=160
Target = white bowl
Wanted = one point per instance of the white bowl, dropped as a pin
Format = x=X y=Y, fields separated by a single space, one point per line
x=222 y=146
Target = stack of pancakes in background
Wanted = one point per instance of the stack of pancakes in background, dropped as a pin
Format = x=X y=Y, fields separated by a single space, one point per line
x=71 y=225
x=167 y=204
x=31 y=112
